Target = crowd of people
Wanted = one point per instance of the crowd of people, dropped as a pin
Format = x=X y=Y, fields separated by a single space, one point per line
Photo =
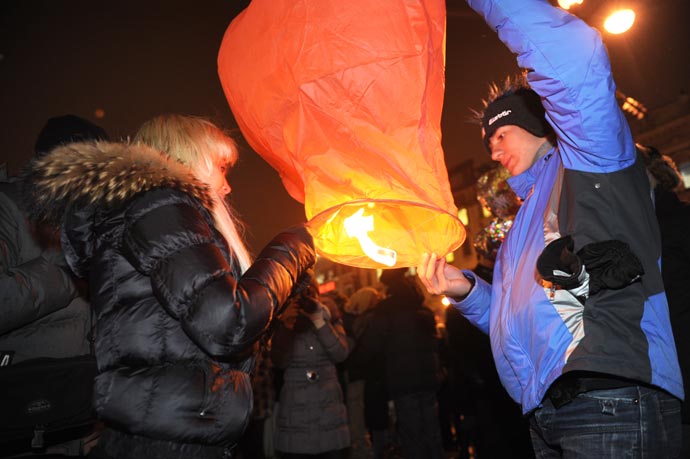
x=126 y=255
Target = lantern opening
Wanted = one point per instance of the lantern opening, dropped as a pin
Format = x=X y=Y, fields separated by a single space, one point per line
x=384 y=233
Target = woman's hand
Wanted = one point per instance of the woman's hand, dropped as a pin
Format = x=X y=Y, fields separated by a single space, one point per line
x=320 y=316
x=440 y=278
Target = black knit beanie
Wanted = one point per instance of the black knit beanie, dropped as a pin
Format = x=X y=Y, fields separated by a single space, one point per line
x=66 y=129
x=391 y=276
x=521 y=108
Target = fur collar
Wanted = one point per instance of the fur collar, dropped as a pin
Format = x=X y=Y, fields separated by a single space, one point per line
x=102 y=173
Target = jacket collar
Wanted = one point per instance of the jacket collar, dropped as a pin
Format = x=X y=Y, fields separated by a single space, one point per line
x=103 y=173
x=522 y=184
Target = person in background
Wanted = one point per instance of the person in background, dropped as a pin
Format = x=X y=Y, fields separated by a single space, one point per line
x=178 y=302
x=308 y=343
x=43 y=311
x=495 y=195
x=359 y=307
x=486 y=418
x=673 y=216
x=577 y=314
x=402 y=338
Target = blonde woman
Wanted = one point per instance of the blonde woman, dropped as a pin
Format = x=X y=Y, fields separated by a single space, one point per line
x=178 y=302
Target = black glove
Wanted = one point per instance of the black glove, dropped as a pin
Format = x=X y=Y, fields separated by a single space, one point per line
x=559 y=265
x=610 y=264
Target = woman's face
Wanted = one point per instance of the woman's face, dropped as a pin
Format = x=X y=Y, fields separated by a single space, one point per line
x=218 y=180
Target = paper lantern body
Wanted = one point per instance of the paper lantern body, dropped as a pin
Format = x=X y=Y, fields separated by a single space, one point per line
x=344 y=100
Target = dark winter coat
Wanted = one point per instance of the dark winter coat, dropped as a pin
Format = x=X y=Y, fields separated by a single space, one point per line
x=674 y=220
x=401 y=341
x=175 y=318
x=312 y=417
x=42 y=316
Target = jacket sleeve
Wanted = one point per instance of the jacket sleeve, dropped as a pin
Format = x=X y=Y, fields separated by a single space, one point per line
x=29 y=288
x=475 y=307
x=334 y=340
x=169 y=236
x=569 y=68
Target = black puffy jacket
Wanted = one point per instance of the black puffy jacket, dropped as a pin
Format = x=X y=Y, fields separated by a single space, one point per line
x=42 y=316
x=175 y=319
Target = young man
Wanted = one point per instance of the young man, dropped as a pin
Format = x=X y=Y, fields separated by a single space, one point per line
x=577 y=314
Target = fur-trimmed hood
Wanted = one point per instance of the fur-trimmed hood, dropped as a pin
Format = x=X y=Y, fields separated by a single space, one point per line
x=106 y=173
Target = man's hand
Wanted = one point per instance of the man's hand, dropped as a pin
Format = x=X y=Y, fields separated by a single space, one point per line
x=440 y=278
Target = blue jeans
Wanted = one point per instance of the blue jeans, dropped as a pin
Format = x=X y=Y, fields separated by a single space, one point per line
x=631 y=422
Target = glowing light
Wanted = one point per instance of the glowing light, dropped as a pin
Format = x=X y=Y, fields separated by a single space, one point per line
x=464 y=216
x=358 y=226
x=445 y=301
x=327 y=287
x=566 y=4
x=619 y=21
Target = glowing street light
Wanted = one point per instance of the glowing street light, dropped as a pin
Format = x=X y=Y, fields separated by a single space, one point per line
x=566 y=4
x=619 y=21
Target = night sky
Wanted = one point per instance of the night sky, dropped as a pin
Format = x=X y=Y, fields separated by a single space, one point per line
x=137 y=59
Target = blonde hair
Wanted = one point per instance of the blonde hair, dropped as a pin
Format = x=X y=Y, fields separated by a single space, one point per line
x=203 y=147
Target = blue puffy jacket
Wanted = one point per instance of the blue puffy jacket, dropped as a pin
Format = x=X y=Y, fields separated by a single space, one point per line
x=590 y=186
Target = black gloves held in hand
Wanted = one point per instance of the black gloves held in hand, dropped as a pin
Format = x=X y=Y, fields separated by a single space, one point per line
x=559 y=265
x=610 y=264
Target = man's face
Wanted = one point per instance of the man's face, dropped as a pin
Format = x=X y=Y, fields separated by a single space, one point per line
x=515 y=148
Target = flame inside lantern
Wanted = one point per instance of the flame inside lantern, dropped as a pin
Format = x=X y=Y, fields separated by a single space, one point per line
x=358 y=226
x=344 y=100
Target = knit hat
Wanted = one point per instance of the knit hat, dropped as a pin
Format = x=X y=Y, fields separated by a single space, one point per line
x=362 y=300
x=66 y=129
x=392 y=276
x=521 y=108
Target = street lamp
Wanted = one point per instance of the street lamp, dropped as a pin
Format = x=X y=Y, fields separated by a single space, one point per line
x=619 y=21
x=566 y=4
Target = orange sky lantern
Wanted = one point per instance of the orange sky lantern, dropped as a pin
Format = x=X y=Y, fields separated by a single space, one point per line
x=344 y=100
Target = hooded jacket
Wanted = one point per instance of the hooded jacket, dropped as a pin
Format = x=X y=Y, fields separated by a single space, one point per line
x=590 y=186
x=175 y=317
